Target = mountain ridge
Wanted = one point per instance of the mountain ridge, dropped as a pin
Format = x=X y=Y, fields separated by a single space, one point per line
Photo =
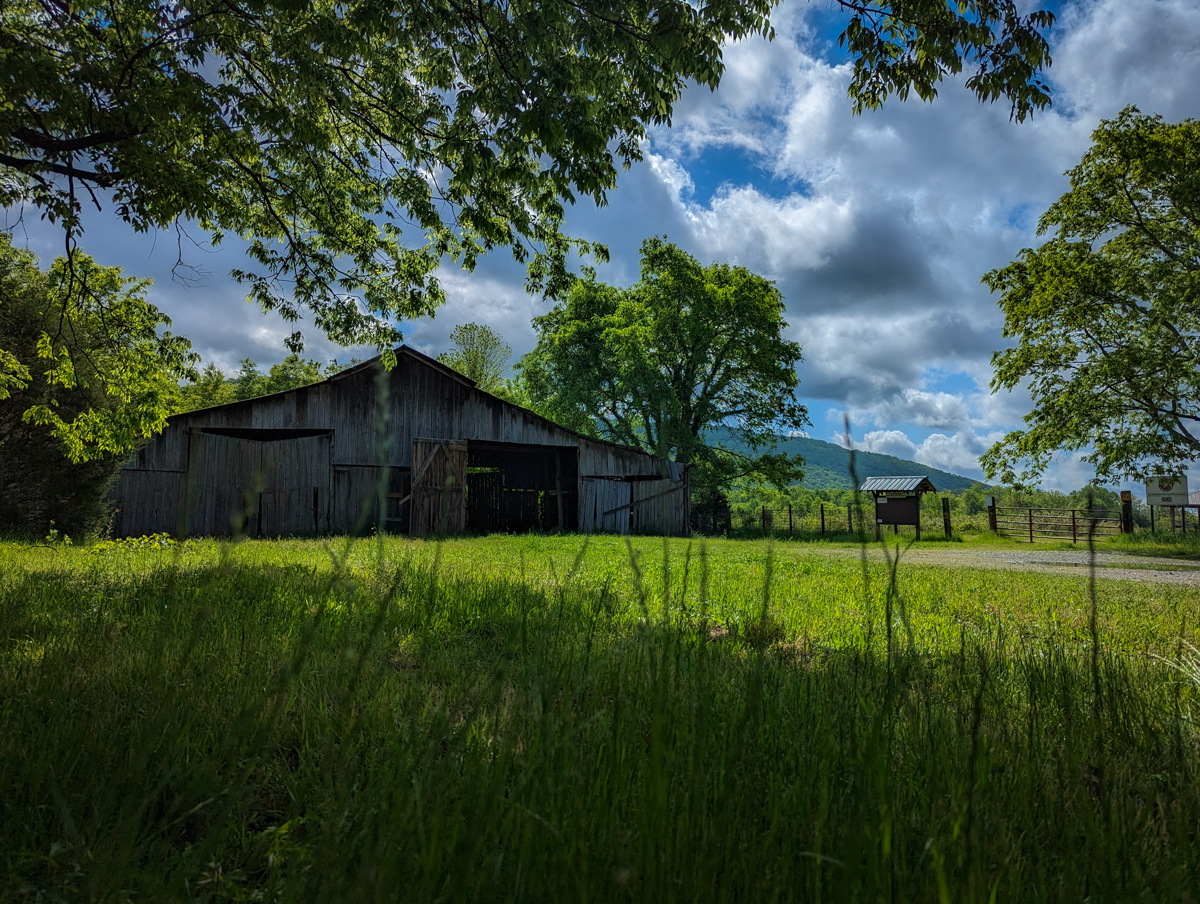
x=827 y=465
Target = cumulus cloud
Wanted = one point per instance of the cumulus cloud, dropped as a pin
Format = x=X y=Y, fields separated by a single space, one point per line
x=957 y=452
x=941 y=410
x=876 y=228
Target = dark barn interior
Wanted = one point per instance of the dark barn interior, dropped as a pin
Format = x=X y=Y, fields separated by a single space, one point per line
x=516 y=488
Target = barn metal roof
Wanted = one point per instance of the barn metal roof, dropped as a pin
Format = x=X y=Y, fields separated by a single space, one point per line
x=905 y=484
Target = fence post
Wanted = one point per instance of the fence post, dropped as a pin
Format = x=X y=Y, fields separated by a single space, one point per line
x=764 y=519
x=946 y=515
x=849 y=518
x=991 y=509
x=822 y=519
x=1031 y=525
x=1126 y=512
x=1074 y=533
x=1151 y=519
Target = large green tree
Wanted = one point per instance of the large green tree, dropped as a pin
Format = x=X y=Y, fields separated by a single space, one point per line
x=85 y=376
x=1106 y=313
x=477 y=351
x=354 y=144
x=661 y=363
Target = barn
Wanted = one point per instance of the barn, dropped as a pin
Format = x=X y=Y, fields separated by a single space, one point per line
x=418 y=449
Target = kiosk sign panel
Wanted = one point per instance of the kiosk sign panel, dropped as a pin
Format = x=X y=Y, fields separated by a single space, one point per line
x=1167 y=490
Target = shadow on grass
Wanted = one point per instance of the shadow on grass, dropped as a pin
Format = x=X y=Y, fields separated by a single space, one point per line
x=235 y=732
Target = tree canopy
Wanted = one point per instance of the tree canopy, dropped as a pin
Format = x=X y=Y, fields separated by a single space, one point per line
x=478 y=353
x=91 y=366
x=1106 y=313
x=658 y=364
x=212 y=386
x=354 y=144
x=82 y=378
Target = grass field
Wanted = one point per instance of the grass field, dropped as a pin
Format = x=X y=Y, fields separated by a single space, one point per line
x=526 y=719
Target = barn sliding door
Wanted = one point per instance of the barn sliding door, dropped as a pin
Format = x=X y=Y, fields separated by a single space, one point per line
x=295 y=494
x=223 y=483
x=439 y=477
x=604 y=505
x=274 y=486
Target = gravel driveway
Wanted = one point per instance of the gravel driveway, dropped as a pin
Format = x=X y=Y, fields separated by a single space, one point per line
x=1113 y=566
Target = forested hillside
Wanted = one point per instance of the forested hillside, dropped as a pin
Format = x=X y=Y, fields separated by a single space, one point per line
x=827 y=466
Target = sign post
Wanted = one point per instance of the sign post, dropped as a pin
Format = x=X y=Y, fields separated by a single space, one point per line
x=1168 y=490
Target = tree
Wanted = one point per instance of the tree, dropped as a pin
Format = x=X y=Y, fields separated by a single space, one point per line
x=659 y=364
x=213 y=387
x=84 y=378
x=354 y=144
x=478 y=352
x=210 y=388
x=1106 y=314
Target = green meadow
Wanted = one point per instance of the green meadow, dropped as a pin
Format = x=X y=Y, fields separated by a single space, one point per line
x=547 y=719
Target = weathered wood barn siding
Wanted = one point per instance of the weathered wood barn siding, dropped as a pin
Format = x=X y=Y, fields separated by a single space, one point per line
x=314 y=460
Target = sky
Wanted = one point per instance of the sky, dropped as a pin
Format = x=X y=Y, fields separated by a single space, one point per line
x=876 y=228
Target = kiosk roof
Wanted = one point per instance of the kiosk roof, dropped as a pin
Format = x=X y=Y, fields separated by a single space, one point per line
x=919 y=483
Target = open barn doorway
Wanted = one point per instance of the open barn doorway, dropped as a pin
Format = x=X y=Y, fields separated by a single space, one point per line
x=512 y=488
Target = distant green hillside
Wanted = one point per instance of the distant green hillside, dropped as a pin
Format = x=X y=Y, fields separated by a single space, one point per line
x=827 y=466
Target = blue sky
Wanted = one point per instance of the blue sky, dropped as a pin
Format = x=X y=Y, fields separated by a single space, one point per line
x=877 y=228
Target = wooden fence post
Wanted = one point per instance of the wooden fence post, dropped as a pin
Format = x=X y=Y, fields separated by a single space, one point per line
x=1031 y=525
x=946 y=515
x=1074 y=533
x=1152 y=519
x=849 y=518
x=791 y=530
x=764 y=519
x=1126 y=512
x=991 y=510
x=822 y=519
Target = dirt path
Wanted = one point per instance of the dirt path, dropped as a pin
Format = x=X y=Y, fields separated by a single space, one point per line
x=1111 y=566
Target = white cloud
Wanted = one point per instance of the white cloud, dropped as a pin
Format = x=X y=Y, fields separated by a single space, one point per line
x=940 y=410
x=742 y=226
x=877 y=228
x=888 y=442
x=1114 y=52
x=958 y=452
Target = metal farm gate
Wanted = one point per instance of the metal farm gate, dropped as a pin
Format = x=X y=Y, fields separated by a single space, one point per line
x=1033 y=524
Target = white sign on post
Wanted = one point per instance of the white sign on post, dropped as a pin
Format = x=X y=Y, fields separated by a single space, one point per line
x=1167 y=490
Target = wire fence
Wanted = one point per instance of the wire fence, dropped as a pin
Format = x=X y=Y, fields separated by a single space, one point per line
x=1025 y=523
x=829 y=519
x=1174 y=518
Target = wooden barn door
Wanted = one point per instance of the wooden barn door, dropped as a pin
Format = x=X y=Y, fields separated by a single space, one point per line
x=439 y=477
x=605 y=505
x=295 y=487
x=258 y=487
x=223 y=481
